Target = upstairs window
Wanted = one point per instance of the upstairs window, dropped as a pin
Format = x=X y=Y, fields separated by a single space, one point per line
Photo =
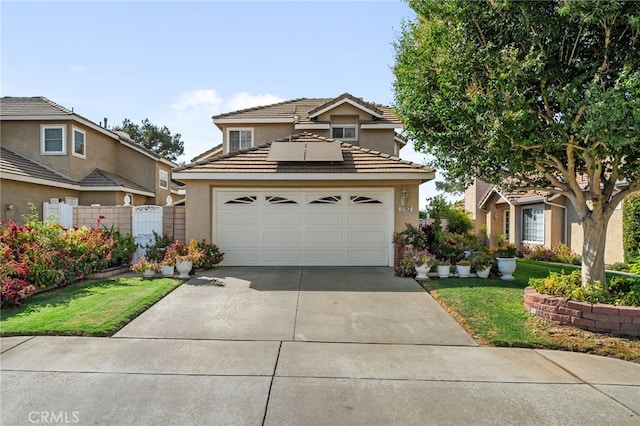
x=79 y=143
x=240 y=139
x=164 y=179
x=344 y=132
x=53 y=140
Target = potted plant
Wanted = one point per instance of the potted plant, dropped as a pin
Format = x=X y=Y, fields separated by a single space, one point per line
x=481 y=263
x=506 y=257
x=146 y=267
x=444 y=268
x=167 y=268
x=211 y=255
x=422 y=261
x=184 y=256
x=463 y=268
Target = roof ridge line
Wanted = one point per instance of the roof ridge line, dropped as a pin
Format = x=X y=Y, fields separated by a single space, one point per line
x=253 y=108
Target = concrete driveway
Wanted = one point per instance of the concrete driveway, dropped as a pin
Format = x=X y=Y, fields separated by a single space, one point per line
x=304 y=346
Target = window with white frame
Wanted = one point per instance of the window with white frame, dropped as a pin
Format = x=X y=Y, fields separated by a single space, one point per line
x=345 y=132
x=164 y=179
x=79 y=143
x=239 y=139
x=53 y=139
x=533 y=224
x=506 y=224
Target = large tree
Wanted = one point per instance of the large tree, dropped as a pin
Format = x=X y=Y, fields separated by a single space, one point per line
x=157 y=139
x=538 y=94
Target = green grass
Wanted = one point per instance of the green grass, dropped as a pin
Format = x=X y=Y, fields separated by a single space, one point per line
x=493 y=312
x=95 y=308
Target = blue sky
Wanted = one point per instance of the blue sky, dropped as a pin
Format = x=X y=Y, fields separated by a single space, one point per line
x=179 y=63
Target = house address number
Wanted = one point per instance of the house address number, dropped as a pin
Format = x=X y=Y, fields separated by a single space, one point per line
x=405 y=209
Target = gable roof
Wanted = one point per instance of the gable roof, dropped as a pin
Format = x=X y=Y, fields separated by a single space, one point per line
x=346 y=98
x=359 y=164
x=41 y=108
x=102 y=178
x=300 y=111
x=14 y=166
x=21 y=168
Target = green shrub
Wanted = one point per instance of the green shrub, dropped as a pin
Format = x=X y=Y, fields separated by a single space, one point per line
x=631 y=226
x=620 y=291
x=634 y=264
x=212 y=255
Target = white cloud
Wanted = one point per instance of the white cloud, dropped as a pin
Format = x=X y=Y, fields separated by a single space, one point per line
x=244 y=100
x=205 y=98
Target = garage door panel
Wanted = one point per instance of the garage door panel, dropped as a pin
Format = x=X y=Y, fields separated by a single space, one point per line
x=281 y=218
x=324 y=217
x=233 y=238
x=282 y=257
x=241 y=257
x=366 y=257
x=366 y=237
x=310 y=227
x=238 y=217
x=323 y=257
x=324 y=238
x=366 y=218
x=281 y=238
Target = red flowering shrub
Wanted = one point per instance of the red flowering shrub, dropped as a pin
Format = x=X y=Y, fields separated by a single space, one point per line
x=41 y=255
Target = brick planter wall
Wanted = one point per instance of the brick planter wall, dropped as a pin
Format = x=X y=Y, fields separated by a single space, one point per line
x=619 y=320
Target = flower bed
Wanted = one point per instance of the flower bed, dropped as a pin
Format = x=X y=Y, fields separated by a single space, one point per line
x=618 y=320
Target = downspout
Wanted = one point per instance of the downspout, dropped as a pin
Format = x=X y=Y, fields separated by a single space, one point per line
x=565 y=217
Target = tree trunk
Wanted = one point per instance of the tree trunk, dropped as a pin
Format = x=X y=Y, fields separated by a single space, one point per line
x=595 y=232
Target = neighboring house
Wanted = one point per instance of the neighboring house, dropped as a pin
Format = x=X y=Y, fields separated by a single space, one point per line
x=50 y=152
x=304 y=182
x=536 y=218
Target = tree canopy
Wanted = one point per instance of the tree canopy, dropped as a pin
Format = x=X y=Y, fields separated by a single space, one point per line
x=153 y=137
x=528 y=94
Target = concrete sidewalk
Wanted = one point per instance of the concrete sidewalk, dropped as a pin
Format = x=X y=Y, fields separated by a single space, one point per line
x=305 y=346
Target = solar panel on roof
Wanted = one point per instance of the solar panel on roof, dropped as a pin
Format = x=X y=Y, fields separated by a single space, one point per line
x=305 y=151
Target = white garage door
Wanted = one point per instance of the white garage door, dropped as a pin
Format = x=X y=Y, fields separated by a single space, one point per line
x=311 y=227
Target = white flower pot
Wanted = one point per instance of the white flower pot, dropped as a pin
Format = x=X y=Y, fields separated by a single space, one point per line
x=167 y=270
x=422 y=271
x=507 y=266
x=184 y=267
x=463 y=271
x=443 y=271
x=148 y=273
x=484 y=273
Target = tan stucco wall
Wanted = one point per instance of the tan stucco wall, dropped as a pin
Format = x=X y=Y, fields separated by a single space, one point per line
x=345 y=109
x=378 y=139
x=199 y=202
x=20 y=194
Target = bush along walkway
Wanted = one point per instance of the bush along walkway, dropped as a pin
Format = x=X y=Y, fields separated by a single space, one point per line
x=493 y=312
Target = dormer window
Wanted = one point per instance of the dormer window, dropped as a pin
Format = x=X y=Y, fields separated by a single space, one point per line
x=239 y=139
x=344 y=132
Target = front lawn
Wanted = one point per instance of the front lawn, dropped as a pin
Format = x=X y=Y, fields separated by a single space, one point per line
x=95 y=308
x=492 y=311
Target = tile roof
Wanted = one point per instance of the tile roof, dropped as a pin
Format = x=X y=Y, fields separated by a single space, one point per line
x=18 y=165
x=99 y=177
x=15 y=164
x=302 y=108
x=37 y=105
x=254 y=160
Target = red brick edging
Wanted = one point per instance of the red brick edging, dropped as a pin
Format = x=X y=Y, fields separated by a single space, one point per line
x=620 y=320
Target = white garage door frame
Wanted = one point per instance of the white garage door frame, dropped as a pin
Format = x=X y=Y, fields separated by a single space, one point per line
x=304 y=226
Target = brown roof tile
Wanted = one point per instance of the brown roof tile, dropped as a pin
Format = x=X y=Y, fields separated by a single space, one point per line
x=24 y=106
x=301 y=108
x=15 y=164
x=254 y=160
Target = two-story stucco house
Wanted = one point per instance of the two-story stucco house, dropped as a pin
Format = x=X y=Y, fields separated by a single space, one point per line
x=304 y=182
x=49 y=152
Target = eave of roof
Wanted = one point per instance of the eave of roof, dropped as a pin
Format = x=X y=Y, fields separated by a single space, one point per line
x=39 y=108
x=359 y=164
x=345 y=98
